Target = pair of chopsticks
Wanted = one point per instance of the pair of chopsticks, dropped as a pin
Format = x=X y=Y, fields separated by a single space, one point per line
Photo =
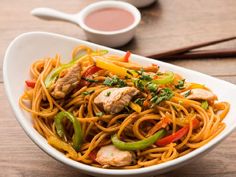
x=186 y=53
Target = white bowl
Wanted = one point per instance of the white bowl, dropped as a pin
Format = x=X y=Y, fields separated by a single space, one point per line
x=110 y=38
x=28 y=47
x=115 y=38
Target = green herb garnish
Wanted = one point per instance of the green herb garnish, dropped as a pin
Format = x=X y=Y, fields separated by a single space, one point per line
x=141 y=71
x=187 y=93
x=99 y=114
x=145 y=77
x=139 y=101
x=88 y=92
x=90 y=80
x=108 y=81
x=139 y=84
x=127 y=108
x=175 y=108
x=205 y=105
x=180 y=84
x=164 y=94
x=152 y=87
x=129 y=72
x=137 y=72
x=114 y=81
x=159 y=73
x=108 y=93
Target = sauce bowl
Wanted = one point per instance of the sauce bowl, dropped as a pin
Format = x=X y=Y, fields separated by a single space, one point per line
x=108 y=38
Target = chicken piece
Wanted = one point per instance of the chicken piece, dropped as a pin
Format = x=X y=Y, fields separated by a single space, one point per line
x=111 y=156
x=113 y=100
x=66 y=84
x=200 y=94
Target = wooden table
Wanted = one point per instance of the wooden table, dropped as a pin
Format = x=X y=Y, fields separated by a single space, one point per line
x=165 y=25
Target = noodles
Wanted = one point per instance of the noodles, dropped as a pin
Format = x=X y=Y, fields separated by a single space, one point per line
x=167 y=102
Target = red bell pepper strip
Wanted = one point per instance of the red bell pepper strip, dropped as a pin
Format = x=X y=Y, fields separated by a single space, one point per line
x=161 y=124
x=88 y=73
x=177 y=135
x=93 y=154
x=30 y=83
x=126 y=57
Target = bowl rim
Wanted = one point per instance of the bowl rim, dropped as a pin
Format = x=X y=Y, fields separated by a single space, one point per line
x=87 y=168
x=106 y=4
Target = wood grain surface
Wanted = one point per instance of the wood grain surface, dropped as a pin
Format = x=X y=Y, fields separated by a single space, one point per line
x=165 y=25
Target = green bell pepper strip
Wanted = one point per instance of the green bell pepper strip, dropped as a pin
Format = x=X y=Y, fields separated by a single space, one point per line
x=77 y=137
x=52 y=76
x=166 y=79
x=100 y=52
x=205 y=105
x=138 y=145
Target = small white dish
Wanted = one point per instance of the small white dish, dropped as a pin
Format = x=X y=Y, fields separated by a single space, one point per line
x=140 y=3
x=28 y=47
x=108 y=38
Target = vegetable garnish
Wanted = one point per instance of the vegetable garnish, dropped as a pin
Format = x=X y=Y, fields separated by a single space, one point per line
x=93 y=154
x=139 y=101
x=138 y=145
x=177 y=135
x=59 y=144
x=205 y=105
x=99 y=114
x=88 y=92
x=86 y=76
x=77 y=136
x=145 y=77
x=130 y=73
x=139 y=84
x=164 y=94
x=141 y=71
x=53 y=75
x=108 y=93
x=115 y=69
x=187 y=93
x=159 y=125
x=126 y=57
x=127 y=108
x=165 y=78
x=174 y=137
x=114 y=81
x=195 y=85
x=151 y=83
x=30 y=83
x=90 y=80
x=135 y=107
x=100 y=52
x=180 y=84
x=152 y=87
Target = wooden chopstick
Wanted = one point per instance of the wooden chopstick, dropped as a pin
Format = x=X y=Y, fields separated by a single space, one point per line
x=218 y=53
x=187 y=48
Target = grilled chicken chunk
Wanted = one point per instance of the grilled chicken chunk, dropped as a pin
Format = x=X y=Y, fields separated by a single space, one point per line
x=66 y=84
x=111 y=156
x=113 y=100
x=201 y=94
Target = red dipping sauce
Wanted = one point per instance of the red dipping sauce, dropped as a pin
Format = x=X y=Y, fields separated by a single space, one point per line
x=109 y=19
